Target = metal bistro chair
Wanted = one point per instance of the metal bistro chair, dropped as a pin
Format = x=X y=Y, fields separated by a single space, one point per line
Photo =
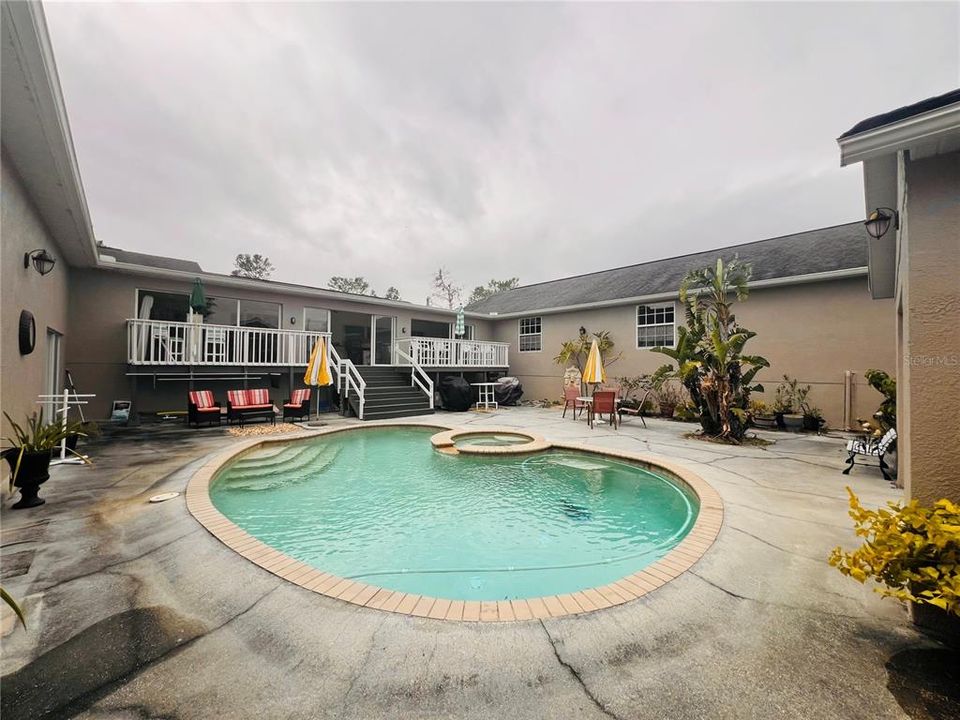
x=637 y=411
x=604 y=403
x=570 y=399
x=872 y=447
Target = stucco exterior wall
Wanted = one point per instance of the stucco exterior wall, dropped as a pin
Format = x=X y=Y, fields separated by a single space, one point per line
x=928 y=386
x=813 y=332
x=101 y=301
x=22 y=230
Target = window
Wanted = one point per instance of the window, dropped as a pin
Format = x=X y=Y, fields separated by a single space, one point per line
x=316 y=320
x=531 y=335
x=172 y=307
x=469 y=333
x=655 y=325
x=257 y=314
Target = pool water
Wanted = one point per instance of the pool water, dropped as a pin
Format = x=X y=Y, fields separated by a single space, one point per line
x=380 y=506
x=491 y=439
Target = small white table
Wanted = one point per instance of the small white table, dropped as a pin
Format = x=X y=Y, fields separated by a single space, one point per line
x=485 y=395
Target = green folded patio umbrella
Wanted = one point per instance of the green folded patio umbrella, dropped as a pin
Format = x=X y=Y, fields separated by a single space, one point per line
x=198 y=298
x=460 y=328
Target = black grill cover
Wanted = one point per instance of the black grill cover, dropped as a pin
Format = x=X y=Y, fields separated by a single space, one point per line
x=508 y=391
x=455 y=393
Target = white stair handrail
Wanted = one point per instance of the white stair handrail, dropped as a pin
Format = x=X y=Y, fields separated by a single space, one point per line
x=423 y=381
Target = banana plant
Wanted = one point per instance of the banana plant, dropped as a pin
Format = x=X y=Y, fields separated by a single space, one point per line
x=709 y=354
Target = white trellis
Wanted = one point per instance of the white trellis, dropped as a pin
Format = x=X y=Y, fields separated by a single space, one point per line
x=62 y=402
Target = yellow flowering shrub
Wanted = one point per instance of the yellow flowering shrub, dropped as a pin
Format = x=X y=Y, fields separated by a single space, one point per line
x=913 y=550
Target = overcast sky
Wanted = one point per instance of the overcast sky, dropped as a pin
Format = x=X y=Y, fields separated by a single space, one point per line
x=496 y=140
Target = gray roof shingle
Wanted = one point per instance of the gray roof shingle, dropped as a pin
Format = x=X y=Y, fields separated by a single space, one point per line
x=154 y=261
x=833 y=248
x=907 y=111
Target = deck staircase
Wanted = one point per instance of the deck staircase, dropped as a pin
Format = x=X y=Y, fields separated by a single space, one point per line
x=389 y=394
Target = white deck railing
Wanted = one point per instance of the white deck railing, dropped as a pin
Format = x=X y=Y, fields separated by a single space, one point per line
x=418 y=376
x=441 y=352
x=159 y=342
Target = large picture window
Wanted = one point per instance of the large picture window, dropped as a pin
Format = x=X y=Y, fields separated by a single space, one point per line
x=531 y=335
x=655 y=325
x=316 y=320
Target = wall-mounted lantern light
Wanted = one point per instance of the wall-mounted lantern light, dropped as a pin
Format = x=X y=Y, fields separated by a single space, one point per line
x=878 y=223
x=43 y=261
x=293 y=319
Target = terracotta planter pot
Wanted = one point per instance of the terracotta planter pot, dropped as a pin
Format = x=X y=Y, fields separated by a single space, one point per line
x=34 y=471
x=667 y=410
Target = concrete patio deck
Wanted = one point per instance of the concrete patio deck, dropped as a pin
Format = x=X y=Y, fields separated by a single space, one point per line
x=136 y=611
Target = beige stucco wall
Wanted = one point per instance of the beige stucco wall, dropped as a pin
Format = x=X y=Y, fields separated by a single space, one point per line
x=813 y=332
x=22 y=230
x=102 y=300
x=929 y=293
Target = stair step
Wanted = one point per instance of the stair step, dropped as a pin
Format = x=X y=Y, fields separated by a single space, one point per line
x=382 y=415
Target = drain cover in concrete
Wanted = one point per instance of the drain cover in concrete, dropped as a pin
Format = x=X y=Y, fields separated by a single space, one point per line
x=163 y=497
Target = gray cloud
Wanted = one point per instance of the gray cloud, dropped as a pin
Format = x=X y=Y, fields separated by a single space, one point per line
x=532 y=140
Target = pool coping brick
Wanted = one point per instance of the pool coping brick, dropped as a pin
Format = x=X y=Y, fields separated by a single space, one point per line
x=638 y=584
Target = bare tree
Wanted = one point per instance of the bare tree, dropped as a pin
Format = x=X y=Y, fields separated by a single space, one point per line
x=445 y=289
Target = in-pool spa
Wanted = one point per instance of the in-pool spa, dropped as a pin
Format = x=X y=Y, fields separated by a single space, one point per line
x=490 y=439
x=382 y=507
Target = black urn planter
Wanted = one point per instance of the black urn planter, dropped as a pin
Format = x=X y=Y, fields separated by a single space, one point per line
x=34 y=471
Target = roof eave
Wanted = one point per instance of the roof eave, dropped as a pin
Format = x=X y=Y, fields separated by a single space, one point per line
x=274 y=286
x=829 y=275
x=888 y=139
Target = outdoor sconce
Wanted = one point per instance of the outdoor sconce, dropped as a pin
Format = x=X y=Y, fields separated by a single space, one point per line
x=878 y=223
x=403 y=330
x=583 y=331
x=43 y=261
x=293 y=320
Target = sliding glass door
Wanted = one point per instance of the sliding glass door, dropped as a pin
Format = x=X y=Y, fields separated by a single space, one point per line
x=382 y=339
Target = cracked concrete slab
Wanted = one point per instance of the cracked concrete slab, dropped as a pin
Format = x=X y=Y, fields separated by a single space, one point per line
x=135 y=611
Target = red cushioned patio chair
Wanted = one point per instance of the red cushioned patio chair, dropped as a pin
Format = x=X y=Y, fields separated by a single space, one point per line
x=298 y=406
x=202 y=408
x=243 y=405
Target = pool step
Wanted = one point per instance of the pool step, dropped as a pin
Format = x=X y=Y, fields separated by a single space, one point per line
x=316 y=456
x=389 y=394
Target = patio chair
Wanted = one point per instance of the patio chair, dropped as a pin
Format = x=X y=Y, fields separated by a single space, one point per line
x=298 y=406
x=570 y=396
x=637 y=411
x=604 y=403
x=872 y=447
x=202 y=408
x=243 y=405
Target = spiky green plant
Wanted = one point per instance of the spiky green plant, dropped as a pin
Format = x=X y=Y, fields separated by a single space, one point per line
x=709 y=354
x=8 y=599
x=40 y=436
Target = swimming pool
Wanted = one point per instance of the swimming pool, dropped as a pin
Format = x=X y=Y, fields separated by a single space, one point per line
x=382 y=507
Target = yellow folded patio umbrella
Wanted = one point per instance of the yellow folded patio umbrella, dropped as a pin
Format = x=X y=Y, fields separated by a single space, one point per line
x=318 y=369
x=593 y=373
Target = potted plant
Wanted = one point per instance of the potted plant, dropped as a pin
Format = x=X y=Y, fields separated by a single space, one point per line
x=762 y=415
x=812 y=418
x=911 y=549
x=669 y=396
x=88 y=429
x=787 y=401
x=30 y=452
